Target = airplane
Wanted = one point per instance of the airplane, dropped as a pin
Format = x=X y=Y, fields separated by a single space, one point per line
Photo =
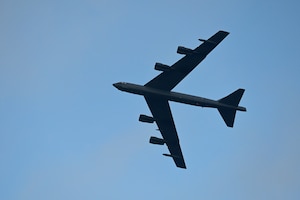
x=157 y=93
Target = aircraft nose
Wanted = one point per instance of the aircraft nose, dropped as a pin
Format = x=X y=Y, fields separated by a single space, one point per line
x=116 y=85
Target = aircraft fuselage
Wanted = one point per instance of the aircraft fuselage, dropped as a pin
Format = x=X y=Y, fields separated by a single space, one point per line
x=173 y=96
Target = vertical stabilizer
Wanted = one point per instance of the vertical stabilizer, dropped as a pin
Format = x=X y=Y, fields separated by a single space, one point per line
x=228 y=114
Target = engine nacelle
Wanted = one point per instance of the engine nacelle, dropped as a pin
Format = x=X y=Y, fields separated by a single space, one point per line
x=145 y=118
x=162 y=67
x=155 y=140
x=184 y=50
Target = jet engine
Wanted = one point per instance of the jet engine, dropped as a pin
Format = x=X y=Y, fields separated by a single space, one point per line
x=155 y=140
x=145 y=118
x=184 y=50
x=162 y=67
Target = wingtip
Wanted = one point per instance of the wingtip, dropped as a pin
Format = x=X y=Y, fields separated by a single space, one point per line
x=224 y=32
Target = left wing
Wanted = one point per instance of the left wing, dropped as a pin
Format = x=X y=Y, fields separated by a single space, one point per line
x=169 y=79
x=161 y=112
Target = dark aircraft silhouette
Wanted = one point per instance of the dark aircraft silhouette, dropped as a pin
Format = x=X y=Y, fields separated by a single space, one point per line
x=157 y=93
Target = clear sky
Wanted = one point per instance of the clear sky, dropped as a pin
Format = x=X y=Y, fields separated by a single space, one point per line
x=67 y=133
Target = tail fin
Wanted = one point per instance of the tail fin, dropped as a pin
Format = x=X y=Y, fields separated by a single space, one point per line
x=228 y=114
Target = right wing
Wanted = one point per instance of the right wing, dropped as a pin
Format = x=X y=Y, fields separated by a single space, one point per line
x=169 y=79
x=161 y=112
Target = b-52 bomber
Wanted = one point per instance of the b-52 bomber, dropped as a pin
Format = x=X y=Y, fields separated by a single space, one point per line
x=157 y=94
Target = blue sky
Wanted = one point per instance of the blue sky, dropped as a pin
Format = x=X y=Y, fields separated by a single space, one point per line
x=67 y=133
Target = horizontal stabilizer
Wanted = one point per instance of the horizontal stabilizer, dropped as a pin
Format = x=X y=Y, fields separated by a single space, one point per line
x=228 y=114
x=234 y=98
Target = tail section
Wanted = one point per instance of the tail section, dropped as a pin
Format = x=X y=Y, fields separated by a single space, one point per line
x=228 y=114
